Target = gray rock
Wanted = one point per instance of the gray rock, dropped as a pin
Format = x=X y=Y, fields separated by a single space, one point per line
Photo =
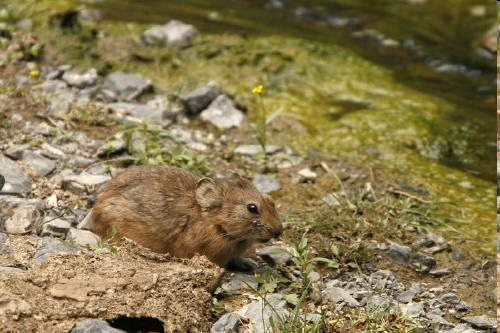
x=41 y=166
x=481 y=322
x=16 y=151
x=114 y=146
x=461 y=328
x=260 y=312
x=266 y=183
x=413 y=310
x=408 y=295
x=5 y=244
x=252 y=150
x=228 y=323
x=80 y=161
x=239 y=282
x=60 y=103
x=438 y=319
x=11 y=270
x=84 y=80
x=126 y=86
x=23 y=220
x=51 y=246
x=16 y=180
x=403 y=255
x=275 y=255
x=56 y=228
x=199 y=99
x=174 y=33
x=378 y=302
x=94 y=326
x=336 y=295
x=51 y=151
x=381 y=279
x=141 y=112
x=82 y=237
x=223 y=114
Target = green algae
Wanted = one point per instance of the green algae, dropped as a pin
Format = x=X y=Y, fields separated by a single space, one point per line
x=354 y=109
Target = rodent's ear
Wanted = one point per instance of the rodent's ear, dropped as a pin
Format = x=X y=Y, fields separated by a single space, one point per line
x=207 y=193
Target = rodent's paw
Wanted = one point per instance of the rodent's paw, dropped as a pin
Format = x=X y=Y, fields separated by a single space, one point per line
x=242 y=265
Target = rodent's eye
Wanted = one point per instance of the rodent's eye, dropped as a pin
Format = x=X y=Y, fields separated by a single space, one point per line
x=252 y=208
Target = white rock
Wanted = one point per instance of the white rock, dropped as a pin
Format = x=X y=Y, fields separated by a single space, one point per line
x=307 y=174
x=174 y=33
x=23 y=220
x=223 y=113
x=83 y=237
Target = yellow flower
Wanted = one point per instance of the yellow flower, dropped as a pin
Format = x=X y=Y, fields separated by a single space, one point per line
x=35 y=73
x=258 y=90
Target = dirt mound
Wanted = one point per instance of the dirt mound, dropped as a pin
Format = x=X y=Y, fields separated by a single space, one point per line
x=133 y=283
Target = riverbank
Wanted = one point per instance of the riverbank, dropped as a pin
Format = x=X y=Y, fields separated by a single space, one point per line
x=67 y=129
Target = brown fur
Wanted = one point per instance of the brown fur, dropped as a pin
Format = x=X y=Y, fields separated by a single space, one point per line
x=170 y=210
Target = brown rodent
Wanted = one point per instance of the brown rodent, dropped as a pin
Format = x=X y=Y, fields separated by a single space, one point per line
x=168 y=209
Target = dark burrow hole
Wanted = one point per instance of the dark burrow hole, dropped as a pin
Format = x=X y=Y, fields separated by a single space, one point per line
x=137 y=324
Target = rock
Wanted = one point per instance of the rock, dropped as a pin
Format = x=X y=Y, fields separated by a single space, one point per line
x=260 y=312
x=85 y=179
x=174 y=33
x=266 y=183
x=408 y=295
x=10 y=270
x=199 y=99
x=438 y=319
x=60 y=103
x=81 y=80
x=114 y=146
x=438 y=272
x=56 y=228
x=16 y=180
x=141 y=112
x=239 y=282
x=413 y=310
x=381 y=279
x=51 y=151
x=125 y=86
x=54 y=246
x=41 y=166
x=228 y=323
x=252 y=150
x=331 y=200
x=336 y=295
x=94 y=326
x=4 y=244
x=307 y=174
x=223 y=114
x=481 y=322
x=23 y=220
x=461 y=328
x=403 y=255
x=16 y=151
x=83 y=237
x=274 y=255
x=378 y=302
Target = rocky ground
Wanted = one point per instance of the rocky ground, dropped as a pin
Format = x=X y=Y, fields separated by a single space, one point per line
x=357 y=254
